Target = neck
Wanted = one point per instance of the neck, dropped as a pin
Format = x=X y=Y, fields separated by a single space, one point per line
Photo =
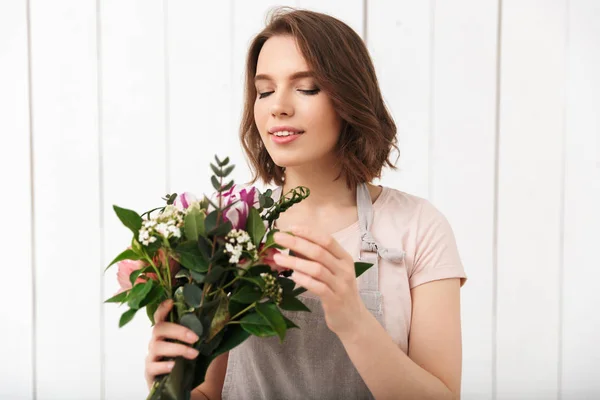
x=325 y=191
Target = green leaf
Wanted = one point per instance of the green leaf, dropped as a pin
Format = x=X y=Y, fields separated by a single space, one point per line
x=256 y=280
x=190 y=256
x=217 y=160
x=155 y=296
x=129 y=218
x=205 y=247
x=126 y=317
x=234 y=336
x=215 y=273
x=292 y=303
x=192 y=295
x=287 y=285
x=193 y=224
x=270 y=242
x=221 y=230
x=211 y=221
x=118 y=298
x=247 y=294
x=138 y=293
x=128 y=254
x=290 y=324
x=271 y=313
x=255 y=324
x=255 y=226
x=361 y=267
x=191 y=321
x=221 y=316
x=150 y=310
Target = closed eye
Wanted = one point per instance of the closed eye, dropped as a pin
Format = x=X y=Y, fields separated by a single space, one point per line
x=311 y=92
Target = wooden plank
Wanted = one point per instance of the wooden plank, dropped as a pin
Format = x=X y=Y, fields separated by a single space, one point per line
x=15 y=181
x=529 y=198
x=200 y=93
x=463 y=167
x=66 y=199
x=399 y=37
x=134 y=155
x=581 y=321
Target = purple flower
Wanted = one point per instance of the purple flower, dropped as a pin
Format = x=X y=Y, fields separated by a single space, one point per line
x=184 y=200
x=237 y=214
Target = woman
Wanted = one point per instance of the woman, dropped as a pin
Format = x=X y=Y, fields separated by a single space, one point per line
x=314 y=116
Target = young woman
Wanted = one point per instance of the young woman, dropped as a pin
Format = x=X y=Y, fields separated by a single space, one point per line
x=314 y=116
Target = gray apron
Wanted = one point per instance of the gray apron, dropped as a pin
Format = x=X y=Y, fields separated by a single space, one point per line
x=312 y=362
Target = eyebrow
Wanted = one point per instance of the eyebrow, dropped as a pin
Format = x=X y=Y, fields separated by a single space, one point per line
x=294 y=76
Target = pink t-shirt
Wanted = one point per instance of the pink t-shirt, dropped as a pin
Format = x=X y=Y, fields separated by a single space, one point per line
x=413 y=224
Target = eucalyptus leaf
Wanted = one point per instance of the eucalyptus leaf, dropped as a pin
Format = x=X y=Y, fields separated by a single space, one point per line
x=191 y=321
x=215 y=182
x=192 y=295
x=228 y=170
x=198 y=277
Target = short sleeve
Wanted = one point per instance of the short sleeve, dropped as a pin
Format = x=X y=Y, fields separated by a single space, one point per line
x=436 y=254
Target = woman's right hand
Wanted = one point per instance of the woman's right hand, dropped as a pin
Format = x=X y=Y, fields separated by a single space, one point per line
x=159 y=348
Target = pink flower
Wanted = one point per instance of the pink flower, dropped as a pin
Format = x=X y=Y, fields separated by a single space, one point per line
x=184 y=200
x=126 y=267
x=237 y=214
x=267 y=258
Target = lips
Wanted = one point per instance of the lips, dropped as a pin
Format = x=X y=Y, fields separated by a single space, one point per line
x=285 y=128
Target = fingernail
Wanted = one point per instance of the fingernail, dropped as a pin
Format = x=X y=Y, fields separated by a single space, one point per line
x=171 y=365
x=192 y=336
x=192 y=352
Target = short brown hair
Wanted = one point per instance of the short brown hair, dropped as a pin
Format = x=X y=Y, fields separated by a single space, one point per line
x=343 y=69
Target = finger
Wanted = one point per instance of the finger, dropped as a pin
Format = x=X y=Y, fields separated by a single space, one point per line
x=169 y=330
x=158 y=368
x=161 y=348
x=163 y=310
x=325 y=241
x=310 y=268
x=308 y=249
x=312 y=285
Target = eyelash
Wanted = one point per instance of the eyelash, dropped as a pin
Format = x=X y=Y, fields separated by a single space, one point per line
x=308 y=92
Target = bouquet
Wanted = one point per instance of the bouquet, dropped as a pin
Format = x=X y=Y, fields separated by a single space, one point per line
x=213 y=257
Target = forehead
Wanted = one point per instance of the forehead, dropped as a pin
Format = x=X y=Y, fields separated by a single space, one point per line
x=280 y=57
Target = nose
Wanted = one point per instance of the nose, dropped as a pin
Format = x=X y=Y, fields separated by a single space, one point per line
x=281 y=106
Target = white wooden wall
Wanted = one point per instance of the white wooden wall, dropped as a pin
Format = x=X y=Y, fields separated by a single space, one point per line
x=108 y=102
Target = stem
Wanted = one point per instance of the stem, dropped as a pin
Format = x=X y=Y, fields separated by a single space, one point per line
x=243 y=311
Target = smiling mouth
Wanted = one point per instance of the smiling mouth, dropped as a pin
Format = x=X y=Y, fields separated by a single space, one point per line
x=286 y=133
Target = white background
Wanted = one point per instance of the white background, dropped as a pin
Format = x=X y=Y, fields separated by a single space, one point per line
x=108 y=102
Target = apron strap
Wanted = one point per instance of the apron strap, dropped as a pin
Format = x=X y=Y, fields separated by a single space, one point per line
x=370 y=250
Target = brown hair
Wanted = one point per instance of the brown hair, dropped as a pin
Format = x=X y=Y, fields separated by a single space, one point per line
x=343 y=69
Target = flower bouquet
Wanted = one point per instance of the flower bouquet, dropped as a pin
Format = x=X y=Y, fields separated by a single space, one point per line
x=213 y=257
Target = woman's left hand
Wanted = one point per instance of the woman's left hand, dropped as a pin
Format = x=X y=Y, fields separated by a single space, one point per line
x=328 y=272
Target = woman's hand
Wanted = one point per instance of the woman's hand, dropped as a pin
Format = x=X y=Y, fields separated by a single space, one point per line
x=327 y=271
x=158 y=347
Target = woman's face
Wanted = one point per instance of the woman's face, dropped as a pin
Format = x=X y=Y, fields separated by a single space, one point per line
x=288 y=100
